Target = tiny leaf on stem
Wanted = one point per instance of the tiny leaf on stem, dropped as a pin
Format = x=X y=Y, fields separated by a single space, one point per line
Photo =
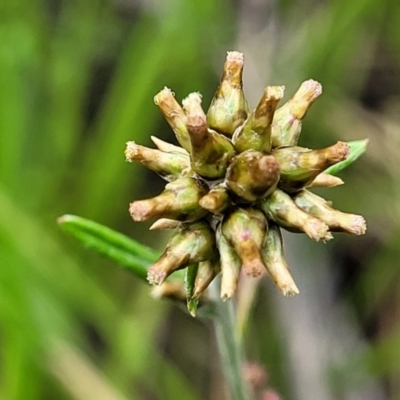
x=357 y=148
x=134 y=256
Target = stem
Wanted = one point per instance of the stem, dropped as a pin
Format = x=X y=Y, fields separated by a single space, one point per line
x=228 y=345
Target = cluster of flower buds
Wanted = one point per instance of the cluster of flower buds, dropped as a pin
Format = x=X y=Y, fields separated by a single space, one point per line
x=237 y=178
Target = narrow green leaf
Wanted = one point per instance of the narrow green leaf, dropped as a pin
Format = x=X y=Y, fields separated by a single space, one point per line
x=116 y=246
x=357 y=148
x=189 y=280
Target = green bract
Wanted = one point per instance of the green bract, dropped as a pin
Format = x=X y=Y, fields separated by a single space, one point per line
x=238 y=177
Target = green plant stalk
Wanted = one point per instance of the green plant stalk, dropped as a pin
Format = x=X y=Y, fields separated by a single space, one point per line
x=230 y=350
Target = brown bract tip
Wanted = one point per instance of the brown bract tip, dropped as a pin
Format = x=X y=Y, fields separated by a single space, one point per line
x=163 y=95
x=317 y=230
x=131 y=151
x=253 y=268
x=235 y=57
x=139 y=210
x=341 y=151
x=359 y=225
x=290 y=291
x=156 y=276
x=352 y=223
x=309 y=90
x=274 y=92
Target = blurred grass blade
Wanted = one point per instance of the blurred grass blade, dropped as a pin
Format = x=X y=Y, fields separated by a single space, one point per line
x=116 y=246
x=357 y=148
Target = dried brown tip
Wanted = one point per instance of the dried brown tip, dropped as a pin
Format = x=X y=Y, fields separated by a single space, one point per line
x=305 y=96
x=351 y=223
x=165 y=266
x=164 y=223
x=131 y=151
x=156 y=276
x=339 y=152
x=251 y=259
x=196 y=118
x=233 y=67
x=317 y=230
x=140 y=210
x=274 y=92
x=359 y=225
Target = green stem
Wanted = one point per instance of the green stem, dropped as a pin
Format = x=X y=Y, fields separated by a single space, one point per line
x=228 y=345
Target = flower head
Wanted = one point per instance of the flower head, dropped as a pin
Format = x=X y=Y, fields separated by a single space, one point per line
x=237 y=179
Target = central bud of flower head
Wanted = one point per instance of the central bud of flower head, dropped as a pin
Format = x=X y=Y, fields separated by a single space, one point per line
x=236 y=179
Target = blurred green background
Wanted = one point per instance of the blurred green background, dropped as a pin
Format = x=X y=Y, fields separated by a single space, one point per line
x=77 y=80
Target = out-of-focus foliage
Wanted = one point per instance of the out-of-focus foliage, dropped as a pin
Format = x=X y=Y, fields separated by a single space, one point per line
x=77 y=80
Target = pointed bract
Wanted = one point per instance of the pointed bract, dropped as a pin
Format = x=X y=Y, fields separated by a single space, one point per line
x=282 y=210
x=275 y=261
x=288 y=118
x=191 y=243
x=210 y=152
x=168 y=147
x=174 y=115
x=300 y=166
x=336 y=220
x=179 y=200
x=255 y=133
x=164 y=223
x=230 y=266
x=207 y=271
x=326 y=180
x=168 y=166
x=229 y=107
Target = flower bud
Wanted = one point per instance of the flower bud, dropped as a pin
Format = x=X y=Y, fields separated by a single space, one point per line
x=252 y=175
x=300 y=166
x=230 y=266
x=280 y=207
x=210 y=152
x=216 y=200
x=179 y=200
x=229 y=108
x=287 y=119
x=206 y=272
x=169 y=166
x=255 y=133
x=245 y=230
x=168 y=147
x=336 y=220
x=174 y=115
x=275 y=261
x=326 y=180
x=191 y=243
